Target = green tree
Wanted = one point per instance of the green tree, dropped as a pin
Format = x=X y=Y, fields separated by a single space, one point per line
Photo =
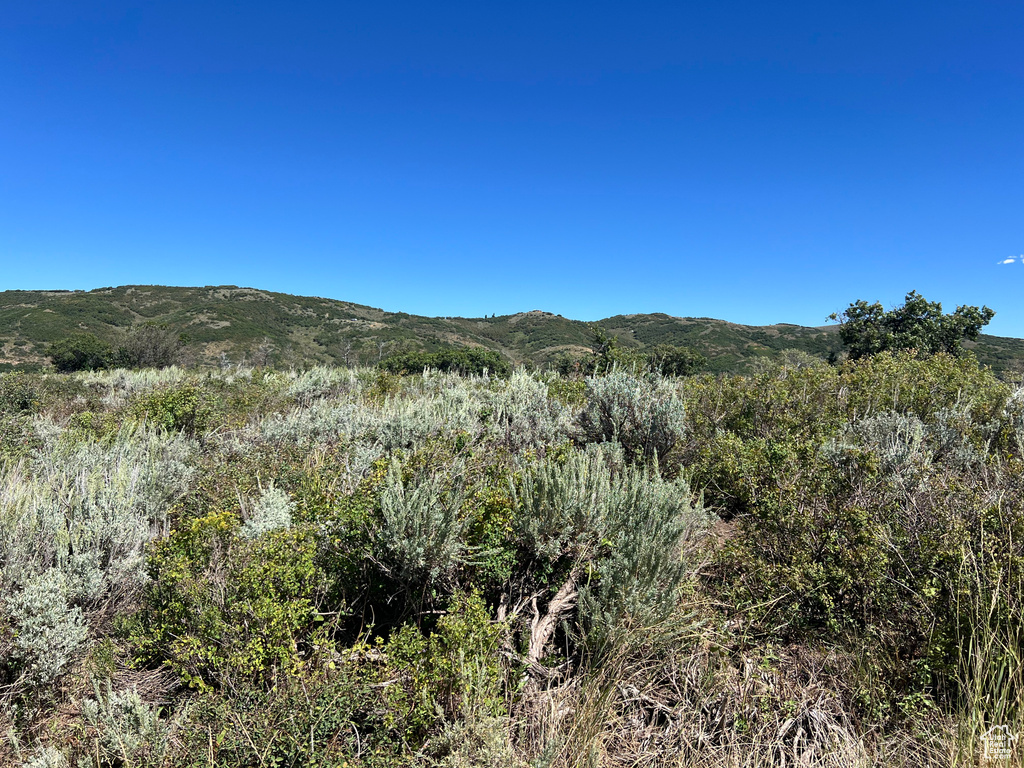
x=149 y=345
x=675 y=361
x=867 y=329
x=465 y=361
x=82 y=352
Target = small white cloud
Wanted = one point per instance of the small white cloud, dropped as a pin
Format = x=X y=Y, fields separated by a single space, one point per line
x=1010 y=260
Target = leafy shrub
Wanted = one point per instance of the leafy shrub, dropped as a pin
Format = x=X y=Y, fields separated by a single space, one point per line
x=17 y=395
x=465 y=361
x=48 y=633
x=866 y=329
x=83 y=352
x=420 y=542
x=181 y=409
x=459 y=661
x=643 y=414
x=223 y=610
x=675 y=361
x=148 y=346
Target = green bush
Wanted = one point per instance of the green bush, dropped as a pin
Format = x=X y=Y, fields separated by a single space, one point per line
x=465 y=361
x=17 y=394
x=866 y=329
x=643 y=414
x=47 y=633
x=185 y=409
x=420 y=541
x=220 y=608
x=148 y=346
x=82 y=352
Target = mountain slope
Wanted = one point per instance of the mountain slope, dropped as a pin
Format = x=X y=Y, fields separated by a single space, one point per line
x=232 y=323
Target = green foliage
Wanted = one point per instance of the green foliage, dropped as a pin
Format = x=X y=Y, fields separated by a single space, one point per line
x=420 y=541
x=178 y=409
x=82 y=352
x=149 y=346
x=128 y=731
x=322 y=719
x=322 y=559
x=675 y=361
x=221 y=608
x=47 y=633
x=628 y=528
x=608 y=354
x=464 y=360
x=642 y=414
x=459 y=659
x=867 y=329
x=17 y=394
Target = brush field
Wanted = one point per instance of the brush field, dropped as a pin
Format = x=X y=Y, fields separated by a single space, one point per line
x=812 y=565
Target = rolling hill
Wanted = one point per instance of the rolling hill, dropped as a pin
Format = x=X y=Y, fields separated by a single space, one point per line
x=228 y=323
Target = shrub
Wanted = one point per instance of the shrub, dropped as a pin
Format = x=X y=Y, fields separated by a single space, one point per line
x=48 y=633
x=83 y=352
x=46 y=757
x=522 y=415
x=866 y=329
x=420 y=540
x=149 y=346
x=626 y=527
x=88 y=509
x=459 y=663
x=181 y=409
x=561 y=506
x=273 y=511
x=222 y=610
x=128 y=730
x=320 y=382
x=643 y=414
x=17 y=394
x=650 y=526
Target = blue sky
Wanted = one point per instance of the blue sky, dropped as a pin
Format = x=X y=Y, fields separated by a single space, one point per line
x=757 y=162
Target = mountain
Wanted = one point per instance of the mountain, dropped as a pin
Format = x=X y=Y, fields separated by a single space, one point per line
x=231 y=323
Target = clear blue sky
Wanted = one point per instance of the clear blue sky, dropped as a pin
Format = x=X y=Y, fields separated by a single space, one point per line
x=752 y=161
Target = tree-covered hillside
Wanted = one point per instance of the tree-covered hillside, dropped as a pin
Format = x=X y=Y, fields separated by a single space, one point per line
x=239 y=325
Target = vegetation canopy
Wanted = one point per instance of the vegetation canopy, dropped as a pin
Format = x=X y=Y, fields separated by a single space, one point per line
x=867 y=329
x=813 y=564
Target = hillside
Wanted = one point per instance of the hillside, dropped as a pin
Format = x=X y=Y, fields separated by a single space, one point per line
x=235 y=324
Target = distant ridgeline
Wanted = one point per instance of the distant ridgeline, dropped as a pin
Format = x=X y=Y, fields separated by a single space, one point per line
x=224 y=325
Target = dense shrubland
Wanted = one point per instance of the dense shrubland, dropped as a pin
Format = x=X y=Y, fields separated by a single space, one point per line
x=813 y=565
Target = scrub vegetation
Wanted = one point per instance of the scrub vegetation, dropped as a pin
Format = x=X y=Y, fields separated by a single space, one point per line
x=814 y=565
x=228 y=326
